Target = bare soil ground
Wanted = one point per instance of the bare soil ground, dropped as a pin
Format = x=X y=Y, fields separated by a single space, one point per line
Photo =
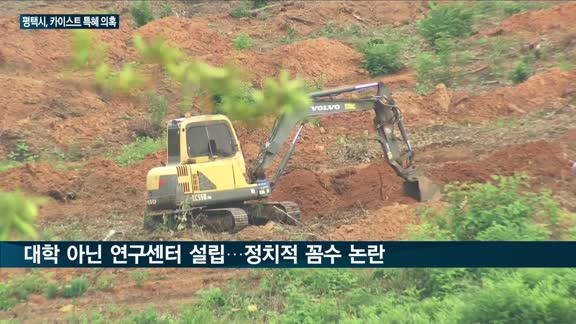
x=458 y=135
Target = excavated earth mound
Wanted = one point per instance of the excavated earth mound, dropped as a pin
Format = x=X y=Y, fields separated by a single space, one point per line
x=321 y=193
x=195 y=38
x=550 y=89
x=386 y=223
x=540 y=159
x=41 y=179
x=319 y=58
x=548 y=22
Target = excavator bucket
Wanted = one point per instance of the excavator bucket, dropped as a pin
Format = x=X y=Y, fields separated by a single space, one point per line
x=422 y=190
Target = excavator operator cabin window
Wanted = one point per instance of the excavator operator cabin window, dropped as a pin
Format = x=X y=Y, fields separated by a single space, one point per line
x=210 y=139
x=173 y=145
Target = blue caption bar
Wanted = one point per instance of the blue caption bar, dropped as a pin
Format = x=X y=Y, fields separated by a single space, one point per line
x=96 y=21
x=286 y=254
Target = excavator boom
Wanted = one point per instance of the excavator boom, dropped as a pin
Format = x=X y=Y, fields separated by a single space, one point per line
x=387 y=121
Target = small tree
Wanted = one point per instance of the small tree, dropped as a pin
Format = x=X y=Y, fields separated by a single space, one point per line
x=380 y=57
x=142 y=12
x=243 y=41
x=520 y=72
x=450 y=20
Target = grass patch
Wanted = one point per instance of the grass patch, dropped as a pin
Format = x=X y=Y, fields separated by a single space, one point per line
x=7 y=164
x=75 y=288
x=137 y=151
x=503 y=9
x=333 y=31
x=445 y=65
x=140 y=276
x=18 y=289
x=241 y=10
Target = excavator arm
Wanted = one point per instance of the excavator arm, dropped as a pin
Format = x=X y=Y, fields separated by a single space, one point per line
x=387 y=121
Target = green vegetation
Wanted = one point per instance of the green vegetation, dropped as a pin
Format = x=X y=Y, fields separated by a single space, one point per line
x=105 y=282
x=19 y=287
x=446 y=21
x=502 y=9
x=291 y=35
x=497 y=50
x=7 y=164
x=18 y=215
x=521 y=71
x=76 y=288
x=381 y=57
x=166 y=11
x=442 y=66
x=241 y=10
x=140 y=276
x=331 y=30
x=138 y=150
x=499 y=210
x=157 y=108
x=21 y=153
x=243 y=41
x=141 y=12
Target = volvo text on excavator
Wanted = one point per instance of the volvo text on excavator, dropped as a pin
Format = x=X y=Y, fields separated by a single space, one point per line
x=205 y=179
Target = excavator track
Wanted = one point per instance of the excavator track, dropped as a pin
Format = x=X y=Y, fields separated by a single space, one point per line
x=293 y=211
x=286 y=212
x=215 y=219
x=233 y=219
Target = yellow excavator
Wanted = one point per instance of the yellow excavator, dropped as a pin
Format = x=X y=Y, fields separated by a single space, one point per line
x=207 y=181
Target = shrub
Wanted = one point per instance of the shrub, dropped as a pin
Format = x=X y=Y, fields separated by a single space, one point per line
x=243 y=41
x=240 y=11
x=18 y=288
x=442 y=66
x=166 y=11
x=520 y=72
x=51 y=290
x=451 y=20
x=499 y=211
x=511 y=300
x=141 y=12
x=157 y=108
x=259 y=3
x=148 y=316
x=380 y=57
x=76 y=288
